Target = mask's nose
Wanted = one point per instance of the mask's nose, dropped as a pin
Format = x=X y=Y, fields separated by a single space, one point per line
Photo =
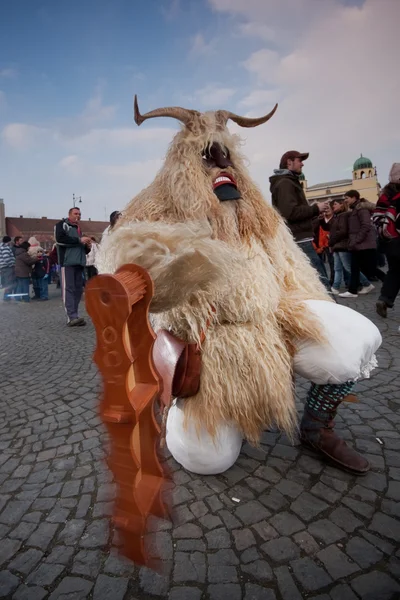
x=221 y=160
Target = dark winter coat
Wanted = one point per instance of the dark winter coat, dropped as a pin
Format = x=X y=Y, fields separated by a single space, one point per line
x=339 y=233
x=23 y=263
x=362 y=233
x=290 y=201
x=41 y=268
x=71 y=251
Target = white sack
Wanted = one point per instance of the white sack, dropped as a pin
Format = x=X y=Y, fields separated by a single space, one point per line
x=350 y=352
x=199 y=453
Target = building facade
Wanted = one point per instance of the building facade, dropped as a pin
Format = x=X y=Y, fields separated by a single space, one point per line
x=43 y=229
x=364 y=180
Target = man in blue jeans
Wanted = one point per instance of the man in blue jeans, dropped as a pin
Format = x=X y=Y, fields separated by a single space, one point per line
x=72 y=248
x=289 y=199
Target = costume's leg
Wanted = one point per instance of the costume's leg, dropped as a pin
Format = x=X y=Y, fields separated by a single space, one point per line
x=317 y=427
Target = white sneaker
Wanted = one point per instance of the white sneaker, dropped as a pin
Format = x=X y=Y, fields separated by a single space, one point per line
x=367 y=290
x=348 y=295
x=334 y=291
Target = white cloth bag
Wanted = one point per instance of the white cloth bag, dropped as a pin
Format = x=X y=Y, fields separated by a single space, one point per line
x=349 y=353
x=199 y=453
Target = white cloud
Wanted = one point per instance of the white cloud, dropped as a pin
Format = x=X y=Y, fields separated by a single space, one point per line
x=199 y=46
x=212 y=95
x=335 y=81
x=21 y=136
x=260 y=98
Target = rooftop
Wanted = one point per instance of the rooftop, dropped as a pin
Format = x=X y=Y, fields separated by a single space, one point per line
x=329 y=184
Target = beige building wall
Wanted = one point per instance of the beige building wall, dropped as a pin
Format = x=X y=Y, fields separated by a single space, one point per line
x=363 y=180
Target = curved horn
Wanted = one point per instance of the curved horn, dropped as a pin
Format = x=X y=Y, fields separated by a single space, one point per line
x=176 y=112
x=246 y=121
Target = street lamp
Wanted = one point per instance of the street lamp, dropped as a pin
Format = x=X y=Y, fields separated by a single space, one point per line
x=76 y=200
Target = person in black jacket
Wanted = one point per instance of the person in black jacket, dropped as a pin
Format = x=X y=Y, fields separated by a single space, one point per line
x=72 y=248
x=40 y=276
x=290 y=201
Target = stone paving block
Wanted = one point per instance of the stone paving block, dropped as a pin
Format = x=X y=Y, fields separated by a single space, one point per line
x=256 y=592
x=227 y=591
x=23 y=530
x=326 y=531
x=31 y=592
x=259 y=570
x=45 y=574
x=286 y=584
x=223 y=558
x=153 y=583
x=289 y=488
x=25 y=562
x=187 y=531
x=8 y=583
x=185 y=593
x=386 y=526
x=281 y=550
x=337 y=563
x=374 y=585
x=222 y=575
x=60 y=554
x=190 y=546
x=274 y=500
x=75 y=587
x=14 y=511
x=342 y=592
x=286 y=523
x=252 y=512
x=362 y=552
x=219 y=538
x=109 y=587
x=244 y=538
x=383 y=545
x=87 y=562
x=345 y=519
x=96 y=534
x=361 y=508
x=306 y=542
x=307 y=507
x=72 y=532
x=7 y=549
x=309 y=574
x=210 y=521
x=43 y=535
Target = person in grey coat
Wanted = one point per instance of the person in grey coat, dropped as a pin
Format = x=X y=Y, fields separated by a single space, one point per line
x=72 y=247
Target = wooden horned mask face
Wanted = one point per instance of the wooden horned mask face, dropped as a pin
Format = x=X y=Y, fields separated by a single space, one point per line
x=205 y=145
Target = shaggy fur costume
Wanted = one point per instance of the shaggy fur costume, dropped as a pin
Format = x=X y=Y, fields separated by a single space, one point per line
x=237 y=256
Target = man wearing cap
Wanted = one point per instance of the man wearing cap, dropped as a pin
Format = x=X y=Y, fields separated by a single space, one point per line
x=289 y=199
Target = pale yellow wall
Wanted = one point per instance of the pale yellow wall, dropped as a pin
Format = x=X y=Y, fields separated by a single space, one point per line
x=368 y=188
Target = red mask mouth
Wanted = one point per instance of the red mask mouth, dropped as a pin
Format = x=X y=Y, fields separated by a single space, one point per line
x=223 y=179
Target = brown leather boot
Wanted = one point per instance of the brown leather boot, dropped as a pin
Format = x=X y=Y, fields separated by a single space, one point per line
x=325 y=441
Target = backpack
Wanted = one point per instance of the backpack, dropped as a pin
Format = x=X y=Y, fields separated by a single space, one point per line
x=386 y=217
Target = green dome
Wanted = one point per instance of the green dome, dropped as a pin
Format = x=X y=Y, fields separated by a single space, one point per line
x=362 y=163
x=302 y=177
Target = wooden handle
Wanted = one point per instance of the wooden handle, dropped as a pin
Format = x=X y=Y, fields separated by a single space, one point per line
x=118 y=306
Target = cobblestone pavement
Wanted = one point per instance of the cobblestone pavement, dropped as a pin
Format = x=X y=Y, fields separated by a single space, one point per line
x=302 y=529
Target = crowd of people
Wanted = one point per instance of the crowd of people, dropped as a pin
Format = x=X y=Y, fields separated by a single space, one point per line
x=70 y=263
x=350 y=235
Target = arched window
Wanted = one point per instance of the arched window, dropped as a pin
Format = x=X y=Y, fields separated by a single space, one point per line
x=355 y=175
x=328 y=192
x=370 y=174
x=362 y=175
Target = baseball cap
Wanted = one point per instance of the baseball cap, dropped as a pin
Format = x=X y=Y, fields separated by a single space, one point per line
x=291 y=155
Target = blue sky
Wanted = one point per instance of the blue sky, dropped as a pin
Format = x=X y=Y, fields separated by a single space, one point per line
x=69 y=70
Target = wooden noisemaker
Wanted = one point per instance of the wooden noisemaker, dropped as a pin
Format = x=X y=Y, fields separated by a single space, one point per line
x=118 y=306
